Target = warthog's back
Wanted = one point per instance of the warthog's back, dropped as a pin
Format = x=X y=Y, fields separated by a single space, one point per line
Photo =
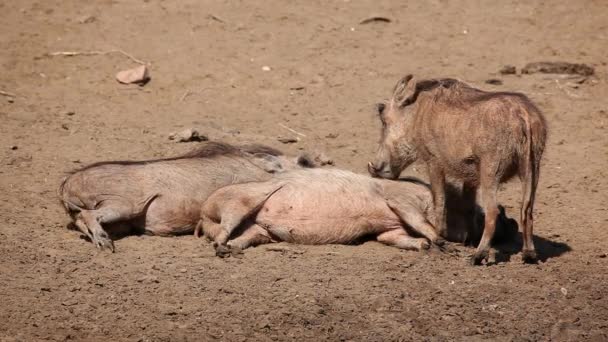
x=326 y=206
x=461 y=124
x=189 y=178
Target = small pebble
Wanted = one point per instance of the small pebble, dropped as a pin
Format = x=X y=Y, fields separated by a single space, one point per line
x=508 y=70
x=288 y=140
x=323 y=159
x=188 y=135
x=138 y=75
x=494 y=81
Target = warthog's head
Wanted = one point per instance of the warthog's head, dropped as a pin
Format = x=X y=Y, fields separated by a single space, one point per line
x=396 y=150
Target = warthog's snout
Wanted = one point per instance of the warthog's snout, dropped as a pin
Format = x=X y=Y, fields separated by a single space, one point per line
x=380 y=170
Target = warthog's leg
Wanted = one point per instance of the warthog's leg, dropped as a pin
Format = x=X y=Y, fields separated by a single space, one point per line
x=400 y=239
x=252 y=236
x=489 y=188
x=416 y=220
x=82 y=227
x=437 y=178
x=242 y=202
x=529 y=181
x=108 y=212
x=91 y=221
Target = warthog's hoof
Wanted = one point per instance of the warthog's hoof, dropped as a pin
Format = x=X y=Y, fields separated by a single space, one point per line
x=103 y=241
x=222 y=251
x=478 y=258
x=529 y=256
x=423 y=245
x=439 y=242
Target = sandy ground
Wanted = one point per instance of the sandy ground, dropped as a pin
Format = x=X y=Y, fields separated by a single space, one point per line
x=326 y=73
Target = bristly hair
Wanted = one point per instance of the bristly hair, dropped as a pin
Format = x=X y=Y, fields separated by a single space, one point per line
x=208 y=150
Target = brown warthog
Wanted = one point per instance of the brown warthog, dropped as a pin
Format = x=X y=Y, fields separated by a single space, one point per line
x=319 y=206
x=477 y=137
x=164 y=196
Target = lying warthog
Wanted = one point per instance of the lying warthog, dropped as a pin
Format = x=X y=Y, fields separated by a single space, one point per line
x=321 y=206
x=477 y=137
x=164 y=196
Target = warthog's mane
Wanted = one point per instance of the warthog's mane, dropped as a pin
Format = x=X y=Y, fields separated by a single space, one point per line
x=206 y=151
x=454 y=92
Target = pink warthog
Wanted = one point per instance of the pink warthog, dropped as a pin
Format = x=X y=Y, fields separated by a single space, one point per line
x=319 y=206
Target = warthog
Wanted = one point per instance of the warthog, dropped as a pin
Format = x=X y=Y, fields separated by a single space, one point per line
x=477 y=137
x=322 y=206
x=164 y=196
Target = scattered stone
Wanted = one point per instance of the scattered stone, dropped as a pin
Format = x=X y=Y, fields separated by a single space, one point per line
x=558 y=68
x=494 y=81
x=87 y=19
x=138 y=75
x=288 y=140
x=70 y=302
x=188 y=135
x=14 y=147
x=266 y=68
x=603 y=255
x=564 y=291
x=508 y=70
x=375 y=19
x=332 y=135
x=284 y=250
x=148 y=279
x=576 y=81
x=323 y=159
x=70 y=113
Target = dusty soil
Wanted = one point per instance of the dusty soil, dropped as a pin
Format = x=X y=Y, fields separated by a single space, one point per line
x=326 y=72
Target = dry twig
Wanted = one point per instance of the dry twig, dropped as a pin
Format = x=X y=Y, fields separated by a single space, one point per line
x=6 y=93
x=292 y=130
x=92 y=53
x=186 y=94
x=565 y=90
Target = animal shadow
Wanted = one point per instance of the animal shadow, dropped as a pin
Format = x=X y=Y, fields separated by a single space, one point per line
x=508 y=241
x=116 y=231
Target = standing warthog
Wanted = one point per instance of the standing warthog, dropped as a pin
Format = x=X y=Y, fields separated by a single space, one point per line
x=477 y=137
x=319 y=206
x=164 y=196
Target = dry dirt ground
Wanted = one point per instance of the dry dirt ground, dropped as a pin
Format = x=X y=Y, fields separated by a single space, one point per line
x=326 y=72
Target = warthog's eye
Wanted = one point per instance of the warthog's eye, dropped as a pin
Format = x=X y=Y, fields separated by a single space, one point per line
x=380 y=108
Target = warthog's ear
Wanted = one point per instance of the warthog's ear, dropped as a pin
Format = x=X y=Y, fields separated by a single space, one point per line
x=408 y=88
x=404 y=89
x=304 y=160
